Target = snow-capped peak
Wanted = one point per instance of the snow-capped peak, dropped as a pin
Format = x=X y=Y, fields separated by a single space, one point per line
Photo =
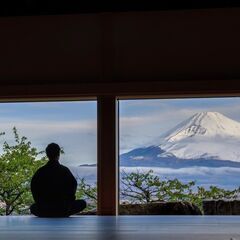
x=204 y=124
x=205 y=135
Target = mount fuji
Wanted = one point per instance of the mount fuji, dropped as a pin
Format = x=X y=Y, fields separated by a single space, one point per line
x=206 y=139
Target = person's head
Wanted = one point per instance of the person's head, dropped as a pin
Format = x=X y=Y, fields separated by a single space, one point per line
x=53 y=151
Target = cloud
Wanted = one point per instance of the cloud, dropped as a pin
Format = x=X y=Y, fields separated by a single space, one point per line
x=225 y=177
x=136 y=121
x=48 y=127
x=167 y=171
x=135 y=131
x=78 y=138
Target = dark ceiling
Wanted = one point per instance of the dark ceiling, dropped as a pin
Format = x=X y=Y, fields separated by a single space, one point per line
x=46 y=7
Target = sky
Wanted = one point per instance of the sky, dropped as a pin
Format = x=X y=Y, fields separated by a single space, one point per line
x=73 y=125
x=142 y=122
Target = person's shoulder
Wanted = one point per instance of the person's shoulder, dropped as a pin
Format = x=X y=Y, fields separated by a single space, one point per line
x=39 y=173
x=41 y=169
x=64 y=168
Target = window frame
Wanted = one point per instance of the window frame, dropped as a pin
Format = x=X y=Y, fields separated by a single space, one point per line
x=107 y=96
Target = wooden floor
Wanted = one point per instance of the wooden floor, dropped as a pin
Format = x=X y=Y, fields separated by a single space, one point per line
x=122 y=228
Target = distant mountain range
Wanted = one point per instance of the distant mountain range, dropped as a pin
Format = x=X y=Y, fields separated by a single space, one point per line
x=207 y=139
x=88 y=165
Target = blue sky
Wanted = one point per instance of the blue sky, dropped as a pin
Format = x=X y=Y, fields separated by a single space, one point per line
x=74 y=125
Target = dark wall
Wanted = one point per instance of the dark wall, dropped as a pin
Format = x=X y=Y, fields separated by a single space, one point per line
x=177 y=45
x=50 y=48
x=100 y=51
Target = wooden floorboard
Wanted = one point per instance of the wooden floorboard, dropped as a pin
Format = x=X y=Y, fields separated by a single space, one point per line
x=121 y=228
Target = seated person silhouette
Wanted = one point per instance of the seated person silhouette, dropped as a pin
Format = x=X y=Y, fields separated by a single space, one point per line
x=53 y=188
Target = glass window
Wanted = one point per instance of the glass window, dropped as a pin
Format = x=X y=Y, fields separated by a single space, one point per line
x=26 y=129
x=179 y=156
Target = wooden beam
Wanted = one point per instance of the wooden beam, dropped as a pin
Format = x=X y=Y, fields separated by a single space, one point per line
x=157 y=89
x=107 y=156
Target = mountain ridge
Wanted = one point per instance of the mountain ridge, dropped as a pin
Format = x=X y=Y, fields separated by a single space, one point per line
x=205 y=136
x=204 y=123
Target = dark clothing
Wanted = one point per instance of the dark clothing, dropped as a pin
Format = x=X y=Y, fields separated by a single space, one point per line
x=53 y=211
x=53 y=188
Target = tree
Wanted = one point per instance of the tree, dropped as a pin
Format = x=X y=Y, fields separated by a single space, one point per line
x=87 y=191
x=145 y=187
x=140 y=187
x=18 y=163
x=214 y=193
x=173 y=190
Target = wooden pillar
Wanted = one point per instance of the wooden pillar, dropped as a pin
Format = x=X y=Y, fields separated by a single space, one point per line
x=107 y=156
